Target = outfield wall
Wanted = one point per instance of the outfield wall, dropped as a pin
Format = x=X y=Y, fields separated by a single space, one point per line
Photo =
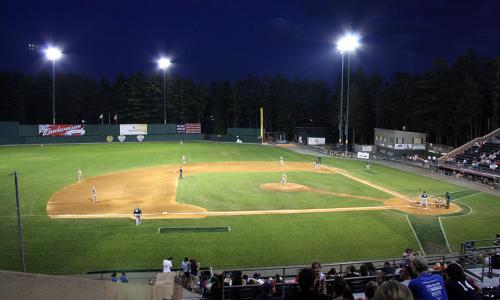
x=12 y=133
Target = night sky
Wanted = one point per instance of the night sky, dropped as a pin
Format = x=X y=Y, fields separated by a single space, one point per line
x=222 y=39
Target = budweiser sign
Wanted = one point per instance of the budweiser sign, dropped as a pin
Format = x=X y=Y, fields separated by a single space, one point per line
x=61 y=130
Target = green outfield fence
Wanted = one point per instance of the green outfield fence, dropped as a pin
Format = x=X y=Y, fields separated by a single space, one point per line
x=13 y=133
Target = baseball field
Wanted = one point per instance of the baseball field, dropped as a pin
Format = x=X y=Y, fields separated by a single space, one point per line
x=337 y=213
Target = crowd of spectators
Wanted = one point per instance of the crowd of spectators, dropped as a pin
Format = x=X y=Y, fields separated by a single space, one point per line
x=413 y=278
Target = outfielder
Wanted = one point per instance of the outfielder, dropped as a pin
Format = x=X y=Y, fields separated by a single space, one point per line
x=137 y=215
x=281 y=160
x=283 y=178
x=423 y=199
x=94 y=195
x=367 y=167
x=79 y=175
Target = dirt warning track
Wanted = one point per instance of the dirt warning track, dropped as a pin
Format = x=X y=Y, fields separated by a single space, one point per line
x=154 y=190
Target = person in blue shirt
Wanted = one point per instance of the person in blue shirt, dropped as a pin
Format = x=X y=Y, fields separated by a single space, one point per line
x=426 y=286
x=123 y=278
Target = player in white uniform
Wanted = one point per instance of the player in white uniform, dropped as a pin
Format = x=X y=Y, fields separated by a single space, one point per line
x=137 y=215
x=281 y=160
x=367 y=167
x=184 y=159
x=316 y=165
x=94 y=194
x=79 y=175
x=283 y=178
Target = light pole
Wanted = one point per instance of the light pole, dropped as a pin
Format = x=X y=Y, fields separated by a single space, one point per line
x=164 y=63
x=53 y=54
x=346 y=44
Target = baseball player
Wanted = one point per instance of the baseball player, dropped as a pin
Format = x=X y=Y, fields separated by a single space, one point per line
x=183 y=159
x=283 y=178
x=439 y=202
x=281 y=160
x=367 y=167
x=448 y=200
x=94 y=195
x=423 y=199
x=316 y=165
x=79 y=175
x=180 y=173
x=137 y=215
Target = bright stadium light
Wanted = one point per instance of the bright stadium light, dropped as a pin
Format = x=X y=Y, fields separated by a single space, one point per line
x=53 y=54
x=164 y=64
x=347 y=44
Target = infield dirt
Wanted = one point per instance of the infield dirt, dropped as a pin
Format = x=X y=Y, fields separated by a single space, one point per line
x=154 y=191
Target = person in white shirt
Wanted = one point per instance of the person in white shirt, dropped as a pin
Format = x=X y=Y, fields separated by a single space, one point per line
x=167 y=265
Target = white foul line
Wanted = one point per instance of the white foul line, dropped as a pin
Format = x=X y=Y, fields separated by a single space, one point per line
x=411 y=226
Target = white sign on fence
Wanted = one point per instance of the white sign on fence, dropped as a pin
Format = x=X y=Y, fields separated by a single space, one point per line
x=315 y=141
x=364 y=155
x=133 y=129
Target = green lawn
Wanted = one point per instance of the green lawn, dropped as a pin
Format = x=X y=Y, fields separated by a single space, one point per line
x=72 y=246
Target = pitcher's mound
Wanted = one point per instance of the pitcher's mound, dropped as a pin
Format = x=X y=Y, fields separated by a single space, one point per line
x=289 y=187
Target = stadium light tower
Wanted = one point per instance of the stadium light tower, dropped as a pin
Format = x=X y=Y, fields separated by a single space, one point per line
x=347 y=44
x=164 y=64
x=53 y=54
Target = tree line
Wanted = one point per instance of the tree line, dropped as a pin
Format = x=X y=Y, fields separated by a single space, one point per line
x=453 y=103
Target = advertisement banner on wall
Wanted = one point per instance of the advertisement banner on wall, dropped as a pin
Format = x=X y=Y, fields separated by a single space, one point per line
x=61 y=130
x=363 y=155
x=315 y=141
x=399 y=146
x=366 y=148
x=133 y=129
x=418 y=147
x=193 y=127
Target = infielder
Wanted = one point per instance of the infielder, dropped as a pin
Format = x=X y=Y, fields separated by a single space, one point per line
x=283 y=178
x=94 y=195
x=137 y=215
x=423 y=199
x=180 y=173
x=79 y=175
x=316 y=165
x=281 y=160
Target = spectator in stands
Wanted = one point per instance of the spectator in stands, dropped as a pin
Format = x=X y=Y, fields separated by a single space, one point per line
x=496 y=242
x=194 y=269
x=186 y=272
x=321 y=278
x=404 y=275
x=307 y=281
x=123 y=278
x=341 y=290
x=426 y=286
x=167 y=265
x=393 y=290
x=372 y=271
x=370 y=289
x=407 y=256
x=388 y=269
x=278 y=278
x=113 y=277
x=332 y=274
x=457 y=285
x=363 y=270
x=351 y=272
x=268 y=289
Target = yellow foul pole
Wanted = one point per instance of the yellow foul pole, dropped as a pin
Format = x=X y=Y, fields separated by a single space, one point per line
x=262 y=124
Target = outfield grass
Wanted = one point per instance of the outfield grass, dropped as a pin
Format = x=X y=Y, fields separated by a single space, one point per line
x=483 y=222
x=71 y=246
